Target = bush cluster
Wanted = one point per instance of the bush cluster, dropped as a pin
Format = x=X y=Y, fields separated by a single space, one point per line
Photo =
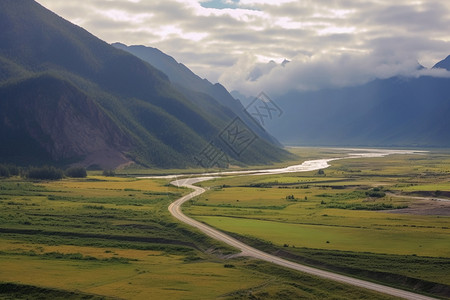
x=8 y=170
x=376 y=193
x=109 y=173
x=76 y=172
x=45 y=173
x=42 y=172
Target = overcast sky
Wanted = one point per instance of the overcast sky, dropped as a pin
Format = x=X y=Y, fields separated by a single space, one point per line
x=329 y=42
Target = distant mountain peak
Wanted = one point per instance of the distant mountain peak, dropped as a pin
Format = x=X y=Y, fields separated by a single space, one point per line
x=443 y=64
x=118 y=44
x=420 y=67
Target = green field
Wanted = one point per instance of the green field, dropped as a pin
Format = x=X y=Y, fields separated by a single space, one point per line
x=364 y=211
x=402 y=242
x=110 y=237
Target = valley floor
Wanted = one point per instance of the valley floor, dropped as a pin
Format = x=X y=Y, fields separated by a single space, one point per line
x=112 y=237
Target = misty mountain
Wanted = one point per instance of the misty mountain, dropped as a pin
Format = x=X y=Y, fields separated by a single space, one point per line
x=189 y=82
x=67 y=96
x=261 y=69
x=393 y=112
x=443 y=64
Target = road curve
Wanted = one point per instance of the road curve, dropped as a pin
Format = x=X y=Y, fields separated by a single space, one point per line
x=175 y=210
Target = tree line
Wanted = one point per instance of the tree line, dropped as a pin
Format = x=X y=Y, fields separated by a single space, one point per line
x=42 y=172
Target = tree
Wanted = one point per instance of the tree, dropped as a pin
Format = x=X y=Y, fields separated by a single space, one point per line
x=4 y=172
x=44 y=173
x=76 y=172
x=109 y=173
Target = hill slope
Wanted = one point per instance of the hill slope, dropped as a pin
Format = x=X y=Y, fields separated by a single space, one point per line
x=76 y=98
x=188 y=80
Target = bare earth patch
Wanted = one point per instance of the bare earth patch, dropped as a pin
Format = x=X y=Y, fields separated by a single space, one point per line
x=424 y=206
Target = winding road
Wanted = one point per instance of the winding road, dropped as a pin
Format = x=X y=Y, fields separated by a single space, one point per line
x=175 y=210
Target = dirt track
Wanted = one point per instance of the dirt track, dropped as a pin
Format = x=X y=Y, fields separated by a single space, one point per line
x=423 y=206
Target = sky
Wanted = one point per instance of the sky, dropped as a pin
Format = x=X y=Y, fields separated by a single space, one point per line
x=242 y=43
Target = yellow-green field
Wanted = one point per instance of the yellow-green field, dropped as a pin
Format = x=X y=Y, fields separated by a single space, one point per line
x=110 y=237
x=149 y=274
x=266 y=214
x=424 y=242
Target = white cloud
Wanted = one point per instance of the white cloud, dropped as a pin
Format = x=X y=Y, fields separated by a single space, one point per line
x=321 y=71
x=329 y=42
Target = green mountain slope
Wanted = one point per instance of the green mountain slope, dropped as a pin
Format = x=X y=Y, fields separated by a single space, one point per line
x=46 y=108
x=76 y=98
x=188 y=80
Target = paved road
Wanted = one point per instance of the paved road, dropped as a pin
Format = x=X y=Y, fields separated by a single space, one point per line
x=175 y=210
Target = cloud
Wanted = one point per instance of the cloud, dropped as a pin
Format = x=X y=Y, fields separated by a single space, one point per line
x=329 y=42
x=320 y=72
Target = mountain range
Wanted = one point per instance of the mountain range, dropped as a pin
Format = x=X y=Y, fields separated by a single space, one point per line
x=68 y=97
x=395 y=112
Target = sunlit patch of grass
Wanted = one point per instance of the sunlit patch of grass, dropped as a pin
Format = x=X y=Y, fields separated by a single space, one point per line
x=408 y=241
x=11 y=246
x=152 y=275
x=115 y=183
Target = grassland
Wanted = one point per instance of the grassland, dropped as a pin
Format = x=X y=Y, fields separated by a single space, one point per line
x=362 y=217
x=103 y=237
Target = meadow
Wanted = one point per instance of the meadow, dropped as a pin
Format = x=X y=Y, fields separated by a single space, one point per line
x=374 y=218
x=113 y=238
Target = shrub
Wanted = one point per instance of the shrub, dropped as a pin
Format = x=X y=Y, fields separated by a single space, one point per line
x=13 y=170
x=229 y=266
x=8 y=170
x=109 y=173
x=4 y=172
x=94 y=206
x=44 y=173
x=76 y=172
x=375 y=194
